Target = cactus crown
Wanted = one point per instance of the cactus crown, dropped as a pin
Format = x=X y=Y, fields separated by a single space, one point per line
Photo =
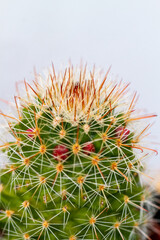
x=75 y=160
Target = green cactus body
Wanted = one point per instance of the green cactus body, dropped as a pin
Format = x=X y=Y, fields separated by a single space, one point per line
x=75 y=161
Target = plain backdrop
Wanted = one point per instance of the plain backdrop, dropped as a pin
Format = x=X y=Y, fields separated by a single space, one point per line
x=126 y=34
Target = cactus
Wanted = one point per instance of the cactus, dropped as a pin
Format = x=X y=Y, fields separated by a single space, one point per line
x=76 y=154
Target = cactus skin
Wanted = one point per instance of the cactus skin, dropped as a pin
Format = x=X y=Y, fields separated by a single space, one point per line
x=75 y=161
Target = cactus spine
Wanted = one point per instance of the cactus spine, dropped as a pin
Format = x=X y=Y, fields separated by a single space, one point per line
x=75 y=160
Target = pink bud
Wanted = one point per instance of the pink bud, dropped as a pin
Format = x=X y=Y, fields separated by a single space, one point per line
x=88 y=148
x=30 y=132
x=60 y=152
x=122 y=132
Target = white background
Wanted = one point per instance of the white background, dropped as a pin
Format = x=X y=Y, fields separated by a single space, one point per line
x=126 y=34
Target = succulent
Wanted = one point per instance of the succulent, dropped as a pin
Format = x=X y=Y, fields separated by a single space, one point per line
x=74 y=155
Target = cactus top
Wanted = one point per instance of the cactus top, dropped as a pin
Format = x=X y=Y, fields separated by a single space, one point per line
x=75 y=160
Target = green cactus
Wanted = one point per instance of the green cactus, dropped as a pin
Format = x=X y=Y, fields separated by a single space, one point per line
x=75 y=159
